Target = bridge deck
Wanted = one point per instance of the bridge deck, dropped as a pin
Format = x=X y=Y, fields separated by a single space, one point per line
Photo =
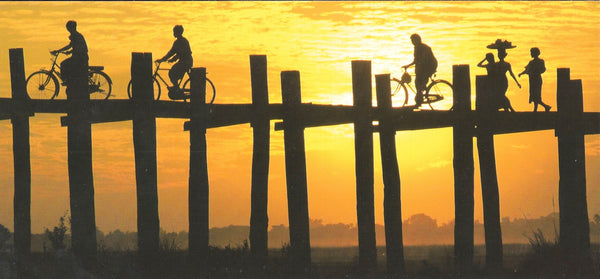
x=313 y=115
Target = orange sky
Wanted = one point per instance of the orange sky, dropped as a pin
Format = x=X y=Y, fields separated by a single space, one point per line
x=319 y=39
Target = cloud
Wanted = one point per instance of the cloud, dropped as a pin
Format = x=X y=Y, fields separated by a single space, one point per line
x=438 y=164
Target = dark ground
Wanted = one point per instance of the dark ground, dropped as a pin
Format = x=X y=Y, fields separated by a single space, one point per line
x=421 y=262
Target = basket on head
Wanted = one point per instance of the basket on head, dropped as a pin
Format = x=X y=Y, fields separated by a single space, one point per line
x=499 y=44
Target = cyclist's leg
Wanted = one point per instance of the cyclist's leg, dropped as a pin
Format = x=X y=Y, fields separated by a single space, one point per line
x=421 y=85
x=66 y=69
x=177 y=72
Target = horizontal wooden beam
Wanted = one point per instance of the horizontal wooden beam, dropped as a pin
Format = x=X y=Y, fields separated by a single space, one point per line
x=312 y=115
x=518 y=122
x=591 y=123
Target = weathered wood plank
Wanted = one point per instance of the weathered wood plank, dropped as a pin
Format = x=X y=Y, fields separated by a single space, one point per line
x=489 y=177
x=259 y=219
x=81 y=178
x=463 y=171
x=363 y=150
x=295 y=171
x=144 y=143
x=22 y=156
x=198 y=173
x=574 y=237
x=392 y=207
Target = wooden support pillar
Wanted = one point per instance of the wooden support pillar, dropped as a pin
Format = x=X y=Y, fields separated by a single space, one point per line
x=392 y=209
x=295 y=170
x=81 y=180
x=21 y=153
x=574 y=223
x=198 y=183
x=259 y=219
x=144 y=143
x=462 y=135
x=363 y=148
x=489 y=178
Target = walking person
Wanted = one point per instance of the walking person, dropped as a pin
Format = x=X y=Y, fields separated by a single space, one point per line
x=535 y=69
x=496 y=98
x=503 y=68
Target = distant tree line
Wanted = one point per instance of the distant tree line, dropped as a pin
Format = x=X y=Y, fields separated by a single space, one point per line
x=418 y=229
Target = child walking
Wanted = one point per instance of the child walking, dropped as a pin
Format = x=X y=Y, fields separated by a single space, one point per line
x=534 y=69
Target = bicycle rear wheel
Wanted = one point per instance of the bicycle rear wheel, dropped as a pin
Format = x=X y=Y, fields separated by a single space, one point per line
x=100 y=86
x=439 y=95
x=211 y=92
x=42 y=85
x=399 y=93
x=156 y=90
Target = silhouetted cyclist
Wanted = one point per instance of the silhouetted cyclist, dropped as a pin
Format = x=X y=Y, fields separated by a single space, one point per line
x=182 y=53
x=425 y=66
x=79 y=60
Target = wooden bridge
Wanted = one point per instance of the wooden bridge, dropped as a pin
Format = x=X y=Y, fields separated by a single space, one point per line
x=570 y=124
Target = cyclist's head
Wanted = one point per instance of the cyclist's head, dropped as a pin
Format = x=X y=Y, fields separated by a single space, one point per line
x=535 y=52
x=177 y=30
x=415 y=38
x=71 y=25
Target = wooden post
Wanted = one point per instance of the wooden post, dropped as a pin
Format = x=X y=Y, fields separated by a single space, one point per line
x=81 y=180
x=363 y=148
x=21 y=151
x=295 y=170
x=489 y=179
x=574 y=223
x=392 y=209
x=259 y=220
x=144 y=143
x=463 y=171
x=198 y=184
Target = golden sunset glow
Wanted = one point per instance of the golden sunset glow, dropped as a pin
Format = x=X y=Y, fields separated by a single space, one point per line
x=319 y=39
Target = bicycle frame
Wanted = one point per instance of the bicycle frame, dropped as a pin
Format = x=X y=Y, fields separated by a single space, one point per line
x=157 y=75
x=430 y=80
x=46 y=83
x=55 y=68
x=434 y=91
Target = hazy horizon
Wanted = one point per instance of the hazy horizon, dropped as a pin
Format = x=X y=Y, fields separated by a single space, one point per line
x=418 y=230
x=319 y=39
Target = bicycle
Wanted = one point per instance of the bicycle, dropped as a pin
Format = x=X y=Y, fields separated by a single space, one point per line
x=437 y=91
x=157 y=79
x=44 y=84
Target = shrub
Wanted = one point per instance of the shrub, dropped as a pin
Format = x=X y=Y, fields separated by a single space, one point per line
x=58 y=235
x=4 y=236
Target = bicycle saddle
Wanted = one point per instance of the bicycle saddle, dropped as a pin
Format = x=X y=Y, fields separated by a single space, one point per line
x=96 y=68
x=405 y=78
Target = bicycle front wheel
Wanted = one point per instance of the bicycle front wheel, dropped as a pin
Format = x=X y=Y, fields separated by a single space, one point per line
x=399 y=93
x=42 y=85
x=156 y=90
x=439 y=95
x=100 y=86
x=211 y=91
